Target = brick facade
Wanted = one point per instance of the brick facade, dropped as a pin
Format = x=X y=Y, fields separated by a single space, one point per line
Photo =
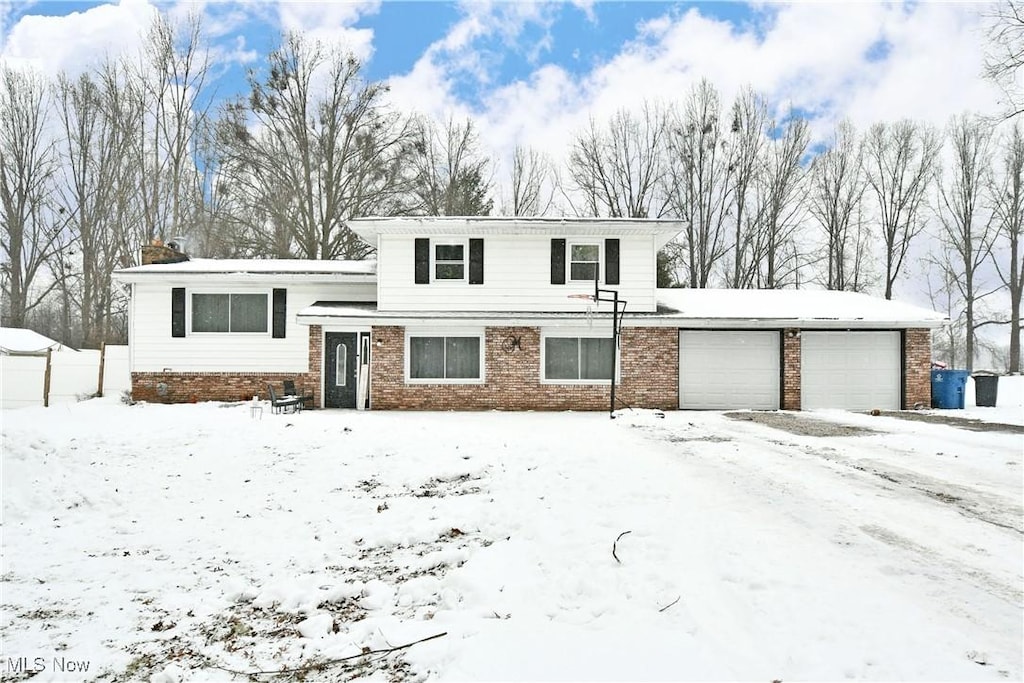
x=917 y=375
x=649 y=369
x=649 y=365
x=791 y=369
x=190 y=387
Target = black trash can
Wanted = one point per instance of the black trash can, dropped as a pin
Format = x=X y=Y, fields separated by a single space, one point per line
x=986 y=386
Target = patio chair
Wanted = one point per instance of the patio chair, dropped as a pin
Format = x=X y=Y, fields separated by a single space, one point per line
x=305 y=396
x=283 y=403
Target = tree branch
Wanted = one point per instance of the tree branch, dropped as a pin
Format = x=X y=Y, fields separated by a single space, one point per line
x=615 y=545
x=314 y=666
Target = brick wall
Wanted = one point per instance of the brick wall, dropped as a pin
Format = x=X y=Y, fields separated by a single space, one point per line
x=791 y=369
x=650 y=362
x=190 y=387
x=314 y=378
x=917 y=359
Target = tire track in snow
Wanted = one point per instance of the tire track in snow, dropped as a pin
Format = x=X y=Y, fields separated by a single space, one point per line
x=772 y=470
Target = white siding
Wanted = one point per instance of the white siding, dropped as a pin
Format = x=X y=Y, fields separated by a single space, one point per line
x=517 y=277
x=154 y=350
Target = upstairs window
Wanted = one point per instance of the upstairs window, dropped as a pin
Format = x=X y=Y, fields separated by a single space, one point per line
x=584 y=260
x=229 y=313
x=449 y=261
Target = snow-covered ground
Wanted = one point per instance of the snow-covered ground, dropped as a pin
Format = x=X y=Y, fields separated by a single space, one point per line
x=161 y=542
x=1008 y=407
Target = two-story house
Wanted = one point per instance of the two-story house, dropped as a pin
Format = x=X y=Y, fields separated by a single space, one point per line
x=492 y=313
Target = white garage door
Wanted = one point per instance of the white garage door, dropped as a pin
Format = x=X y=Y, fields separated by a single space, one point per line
x=728 y=369
x=850 y=370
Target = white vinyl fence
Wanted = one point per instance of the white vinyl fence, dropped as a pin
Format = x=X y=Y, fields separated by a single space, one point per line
x=73 y=375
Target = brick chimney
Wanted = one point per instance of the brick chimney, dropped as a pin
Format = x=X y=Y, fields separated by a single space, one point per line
x=158 y=253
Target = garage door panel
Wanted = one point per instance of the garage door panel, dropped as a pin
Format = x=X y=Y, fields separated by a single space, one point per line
x=728 y=369
x=850 y=370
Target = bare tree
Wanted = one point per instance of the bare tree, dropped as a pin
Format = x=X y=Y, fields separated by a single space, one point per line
x=217 y=230
x=451 y=175
x=27 y=167
x=966 y=226
x=617 y=168
x=947 y=341
x=1008 y=206
x=781 y=203
x=322 y=149
x=1005 y=53
x=746 y=141
x=169 y=82
x=837 y=186
x=532 y=182
x=900 y=160
x=699 y=181
x=98 y=123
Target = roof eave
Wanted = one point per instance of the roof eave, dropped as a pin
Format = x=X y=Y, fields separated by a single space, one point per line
x=241 y=276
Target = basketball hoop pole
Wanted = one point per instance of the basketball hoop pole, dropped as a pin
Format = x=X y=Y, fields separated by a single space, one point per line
x=611 y=296
x=616 y=324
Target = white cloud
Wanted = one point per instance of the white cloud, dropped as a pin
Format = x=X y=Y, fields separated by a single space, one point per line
x=429 y=87
x=77 y=41
x=865 y=61
x=331 y=23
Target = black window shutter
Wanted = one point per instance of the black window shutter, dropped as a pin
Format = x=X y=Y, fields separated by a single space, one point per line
x=422 y=261
x=611 y=261
x=558 y=261
x=280 y=312
x=177 y=311
x=476 y=261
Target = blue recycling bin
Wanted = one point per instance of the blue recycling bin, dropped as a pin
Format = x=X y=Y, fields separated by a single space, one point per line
x=948 y=388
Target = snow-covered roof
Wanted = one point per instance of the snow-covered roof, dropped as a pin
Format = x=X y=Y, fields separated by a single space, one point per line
x=707 y=308
x=16 y=340
x=201 y=266
x=331 y=311
x=792 y=305
x=369 y=228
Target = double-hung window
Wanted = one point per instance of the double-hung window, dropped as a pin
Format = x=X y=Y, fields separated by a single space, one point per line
x=584 y=260
x=445 y=358
x=449 y=261
x=229 y=313
x=578 y=359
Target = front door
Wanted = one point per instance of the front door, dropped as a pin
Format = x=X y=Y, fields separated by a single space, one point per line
x=340 y=370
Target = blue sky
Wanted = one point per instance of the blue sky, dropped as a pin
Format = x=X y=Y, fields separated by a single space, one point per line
x=576 y=37
x=536 y=72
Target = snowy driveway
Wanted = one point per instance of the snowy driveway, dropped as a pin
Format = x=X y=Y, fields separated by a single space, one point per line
x=161 y=542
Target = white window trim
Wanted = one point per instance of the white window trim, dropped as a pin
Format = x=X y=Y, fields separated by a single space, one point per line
x=600 y=258
x=464 y=243
x=445 y=332
x=270 y=314
x=574 y=334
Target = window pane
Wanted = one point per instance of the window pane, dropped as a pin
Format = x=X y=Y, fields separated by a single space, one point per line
x=462 y=357
x=583 y=271
x=561 y=358
x=340 y=365
x=585 y=252
x=248 y=312
x=210 y=312
x=449 y=271
x=426 y=357
x=448 y=252
x=596 y=358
